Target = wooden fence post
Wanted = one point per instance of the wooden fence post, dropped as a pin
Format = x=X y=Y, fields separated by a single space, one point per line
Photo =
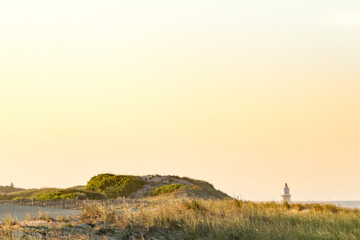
x=32 y=202
x=63 y=203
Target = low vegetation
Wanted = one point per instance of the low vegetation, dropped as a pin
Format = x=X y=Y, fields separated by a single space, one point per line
x=114 y=186
x=166 y=189
x=28 y=194
x=9 y=189
x=72 y=194
x=197 y=219
x=171 y=207
x=53 y=194
x=202 y=189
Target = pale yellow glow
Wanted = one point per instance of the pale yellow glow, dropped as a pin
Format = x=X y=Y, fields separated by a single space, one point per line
x=243 y=96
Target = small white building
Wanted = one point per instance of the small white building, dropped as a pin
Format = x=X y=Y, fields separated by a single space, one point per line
x=286 y=196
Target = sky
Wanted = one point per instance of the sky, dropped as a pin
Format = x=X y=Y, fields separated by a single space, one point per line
x=247 y=95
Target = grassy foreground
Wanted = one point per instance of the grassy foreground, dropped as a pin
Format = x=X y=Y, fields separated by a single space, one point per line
x=194 y=219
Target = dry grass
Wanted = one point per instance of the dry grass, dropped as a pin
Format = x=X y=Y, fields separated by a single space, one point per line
x=230 y=219
x=9 y=221
x=212 y=219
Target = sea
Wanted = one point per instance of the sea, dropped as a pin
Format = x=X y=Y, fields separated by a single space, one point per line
x=348 y=204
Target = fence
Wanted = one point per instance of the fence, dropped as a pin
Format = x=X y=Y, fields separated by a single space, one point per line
x=72 y=203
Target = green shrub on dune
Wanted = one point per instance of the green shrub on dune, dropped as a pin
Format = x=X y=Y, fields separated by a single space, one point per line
x=114 y=186
x=29 y=194
x=58 y=195
x=54 y=194
x=72 y=194
x=166 y=189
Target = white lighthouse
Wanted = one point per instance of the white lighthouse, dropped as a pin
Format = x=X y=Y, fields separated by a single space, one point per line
x=286 y=196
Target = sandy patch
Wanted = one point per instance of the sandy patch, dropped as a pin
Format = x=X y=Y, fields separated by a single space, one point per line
x=20 y=212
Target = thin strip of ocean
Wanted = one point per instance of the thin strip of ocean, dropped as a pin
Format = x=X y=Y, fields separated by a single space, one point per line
x=349 y=204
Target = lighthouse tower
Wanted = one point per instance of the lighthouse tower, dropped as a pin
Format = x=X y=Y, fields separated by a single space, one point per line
x=286 y=196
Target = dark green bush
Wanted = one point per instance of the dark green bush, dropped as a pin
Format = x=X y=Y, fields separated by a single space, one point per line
x=71 y=194
x=166 y=189
x=58 y=195
x=114 y=186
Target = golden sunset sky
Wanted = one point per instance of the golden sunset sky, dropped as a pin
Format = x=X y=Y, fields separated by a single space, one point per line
x=247 y=95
